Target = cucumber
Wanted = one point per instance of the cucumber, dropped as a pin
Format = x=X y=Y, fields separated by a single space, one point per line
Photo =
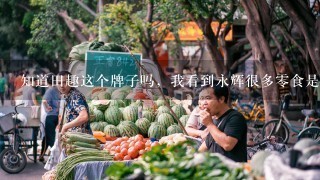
x=86 y=145
x=77 y=138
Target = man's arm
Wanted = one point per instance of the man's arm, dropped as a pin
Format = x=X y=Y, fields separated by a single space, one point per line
x=225 y=141
x=81 y=119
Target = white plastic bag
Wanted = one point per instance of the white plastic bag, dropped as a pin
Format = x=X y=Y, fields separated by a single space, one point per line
x=55 y=154
x=43 y=120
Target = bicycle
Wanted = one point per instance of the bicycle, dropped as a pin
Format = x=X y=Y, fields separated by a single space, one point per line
x=12 y=159
x=255 y=118
x=279 y=128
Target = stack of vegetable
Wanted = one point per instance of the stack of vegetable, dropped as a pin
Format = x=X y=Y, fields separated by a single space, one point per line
x=78 y=142
x=177 y=162
x=173 y=139
x=126 y=148
x=64 y=170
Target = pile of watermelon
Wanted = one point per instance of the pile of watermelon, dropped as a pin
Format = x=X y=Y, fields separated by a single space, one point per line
x=117 y=117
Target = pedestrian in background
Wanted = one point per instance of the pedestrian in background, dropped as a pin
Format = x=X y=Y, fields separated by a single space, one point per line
x=51 y=102
x=3 y=88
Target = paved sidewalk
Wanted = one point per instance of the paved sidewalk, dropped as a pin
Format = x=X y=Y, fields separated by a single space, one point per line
x=33 y=171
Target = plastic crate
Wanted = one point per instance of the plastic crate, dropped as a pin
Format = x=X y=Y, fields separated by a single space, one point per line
x=6 y=123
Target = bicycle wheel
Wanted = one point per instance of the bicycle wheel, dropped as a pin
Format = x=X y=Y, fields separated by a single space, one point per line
x=280 y=133
x=11 y=162
x=310 y=132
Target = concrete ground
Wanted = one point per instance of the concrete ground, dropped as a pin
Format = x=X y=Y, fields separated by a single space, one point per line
x=33 y=171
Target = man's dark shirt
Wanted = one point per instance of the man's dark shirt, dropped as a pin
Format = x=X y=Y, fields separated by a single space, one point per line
x=233 y=124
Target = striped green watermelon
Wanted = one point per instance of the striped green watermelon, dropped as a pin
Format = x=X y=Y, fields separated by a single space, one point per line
x=137 y=103
x=163 y=109
x=119 y=94
x=160 y=102
x=102 y=125
x=102 y=105
x=130 y=113
x=111 y=130
x=184 y=119
x=95 y=126
x=126 y=89
x=165 y=119
x=157 y=131
x=117 y=103
x=148 y=115
x=113 y=115
x=102 y=95
x=173 y=129
x=110 y=90
x=98 y=116
x=179 y=110
x=143 y=124
x=128 y=128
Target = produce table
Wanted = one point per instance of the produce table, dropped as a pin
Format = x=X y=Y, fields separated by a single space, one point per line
x=93 y=170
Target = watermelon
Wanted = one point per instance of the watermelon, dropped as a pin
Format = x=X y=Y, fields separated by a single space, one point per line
x=157 y=131
x=102 y=125
x=160 y=102
x=95 y=126
x=166 y=120
x=173 y=129
x=119 y=94
x=91 y=108
x=143 y=124
x=179 y=110
x=98 y=115
x=102 y=95
x=137 y=103
x=184 y=119
x=163 y=109
x=102 y=105
x=148 y=115
x=126 y=88
x=117 y=103
x=110 y=90
x=111 y=130
x=113 y=115
x=130 y=113
x=128 y=128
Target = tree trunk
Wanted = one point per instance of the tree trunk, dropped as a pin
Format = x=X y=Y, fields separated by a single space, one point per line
x=165 y=80
x=308 y=25
x=257 y=31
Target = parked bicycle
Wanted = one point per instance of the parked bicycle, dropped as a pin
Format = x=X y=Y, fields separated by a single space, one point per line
x=279 y=128
x=12 y=159
x=255 y=117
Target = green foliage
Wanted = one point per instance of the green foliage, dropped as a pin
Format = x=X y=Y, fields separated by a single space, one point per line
x=49 y=31
x=177 y=162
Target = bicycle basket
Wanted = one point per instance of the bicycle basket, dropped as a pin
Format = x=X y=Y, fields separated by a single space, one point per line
x=6 y=123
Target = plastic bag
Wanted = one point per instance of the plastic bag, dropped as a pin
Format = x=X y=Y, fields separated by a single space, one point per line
x=276 y=169
x=55 y=154
x=43 y=120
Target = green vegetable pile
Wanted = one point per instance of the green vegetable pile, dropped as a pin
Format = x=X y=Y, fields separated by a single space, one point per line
x=175 y=162
x=64 y=170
